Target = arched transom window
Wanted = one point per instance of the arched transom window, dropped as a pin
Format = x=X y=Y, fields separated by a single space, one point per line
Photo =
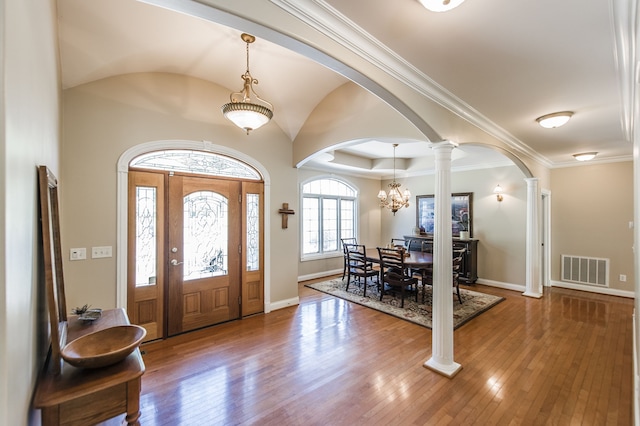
x=200 y=162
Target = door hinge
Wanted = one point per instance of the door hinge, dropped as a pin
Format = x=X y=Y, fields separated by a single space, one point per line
x=240 y=198
x=239 y=300
x=240 y=249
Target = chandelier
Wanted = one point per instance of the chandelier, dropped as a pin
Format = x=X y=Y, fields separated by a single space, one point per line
x=241 y=110
x=394 y=200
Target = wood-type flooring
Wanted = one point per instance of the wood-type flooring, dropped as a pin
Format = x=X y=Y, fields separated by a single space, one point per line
x=564 y=359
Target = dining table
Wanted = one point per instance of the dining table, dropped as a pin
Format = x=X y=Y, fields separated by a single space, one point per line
x=415 y=260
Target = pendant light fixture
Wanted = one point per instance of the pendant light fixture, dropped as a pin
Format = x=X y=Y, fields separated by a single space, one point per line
x=394 y=200
x=244 y=112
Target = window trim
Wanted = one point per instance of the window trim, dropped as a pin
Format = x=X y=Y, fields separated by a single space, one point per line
x=330 y=254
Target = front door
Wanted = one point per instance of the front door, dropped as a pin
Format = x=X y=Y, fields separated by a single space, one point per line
x=204 y=249
x=196 y=241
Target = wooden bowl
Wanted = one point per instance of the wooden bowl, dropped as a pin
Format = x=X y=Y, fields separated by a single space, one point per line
x=104 y=347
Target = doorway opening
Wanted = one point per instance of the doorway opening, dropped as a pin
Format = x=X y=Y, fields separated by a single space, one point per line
x=195 y=240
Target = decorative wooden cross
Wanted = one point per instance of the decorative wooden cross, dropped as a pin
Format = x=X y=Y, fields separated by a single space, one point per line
x=285 y=212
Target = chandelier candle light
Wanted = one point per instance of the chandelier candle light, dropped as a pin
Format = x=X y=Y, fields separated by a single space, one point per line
x=241 y=110
x=394 y=201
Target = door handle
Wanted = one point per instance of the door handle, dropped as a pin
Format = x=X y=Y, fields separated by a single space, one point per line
x=175 y=262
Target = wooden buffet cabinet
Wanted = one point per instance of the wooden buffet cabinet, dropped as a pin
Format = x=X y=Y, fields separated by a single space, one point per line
x=469 y=268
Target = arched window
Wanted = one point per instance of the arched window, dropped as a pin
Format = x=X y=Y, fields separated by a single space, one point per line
x=206 y=163
x=328 y=214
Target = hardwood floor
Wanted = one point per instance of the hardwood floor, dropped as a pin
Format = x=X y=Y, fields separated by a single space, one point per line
x=561 y=360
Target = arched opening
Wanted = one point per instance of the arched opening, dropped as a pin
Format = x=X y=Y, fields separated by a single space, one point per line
x=231 y=192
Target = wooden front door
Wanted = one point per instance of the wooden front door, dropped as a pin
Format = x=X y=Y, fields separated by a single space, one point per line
x=195 y=250
x=204 y=250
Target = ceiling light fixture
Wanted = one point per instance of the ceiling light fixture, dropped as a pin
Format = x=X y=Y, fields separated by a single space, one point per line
x=556 y=119
x=585 y=156
x=441 y=5
x=241 y=110
x=394 y=201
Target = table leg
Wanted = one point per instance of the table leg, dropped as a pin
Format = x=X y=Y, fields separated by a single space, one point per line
x=50 y=416
x=133 y=401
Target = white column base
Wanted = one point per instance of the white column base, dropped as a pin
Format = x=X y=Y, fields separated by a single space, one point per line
x=532 y=294
x=449 y=370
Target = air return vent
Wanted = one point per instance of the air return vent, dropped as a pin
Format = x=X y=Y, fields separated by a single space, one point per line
x=585 y=270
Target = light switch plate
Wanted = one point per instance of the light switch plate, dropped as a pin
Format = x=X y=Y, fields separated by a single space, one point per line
x=99 y=252
x=77 y=253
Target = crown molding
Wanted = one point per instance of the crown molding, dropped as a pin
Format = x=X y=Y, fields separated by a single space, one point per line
x=324 y=18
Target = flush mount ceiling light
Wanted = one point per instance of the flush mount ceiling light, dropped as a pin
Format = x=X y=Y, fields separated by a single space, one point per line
x=394 y=201
x=585 y=156
x=241 y=110
x=440 y=5
x=556 y=119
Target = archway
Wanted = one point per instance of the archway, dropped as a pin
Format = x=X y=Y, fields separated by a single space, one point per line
x=122 y=205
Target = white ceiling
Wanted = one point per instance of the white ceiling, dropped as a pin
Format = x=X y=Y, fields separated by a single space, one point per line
x=508 y=62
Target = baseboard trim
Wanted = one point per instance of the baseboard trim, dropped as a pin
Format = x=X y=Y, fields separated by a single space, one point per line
x=599 y=290
x=280 y=304
x=500 y=284
x=319 y=275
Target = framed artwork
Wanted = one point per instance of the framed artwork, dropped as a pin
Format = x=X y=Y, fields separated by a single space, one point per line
x=461 y=213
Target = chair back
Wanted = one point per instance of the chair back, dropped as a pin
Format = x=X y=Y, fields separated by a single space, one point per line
x=347 y=241
x=456 y=264
x=399 y=242
x=392 y=262
x=426 y=246
x=458 y=257
x=357 y=258
x=413 y=244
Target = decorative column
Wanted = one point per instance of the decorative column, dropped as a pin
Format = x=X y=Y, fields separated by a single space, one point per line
x=441 y=360
x=532 y=280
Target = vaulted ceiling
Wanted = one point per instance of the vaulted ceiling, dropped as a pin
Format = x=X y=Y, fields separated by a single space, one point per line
x=501 y=63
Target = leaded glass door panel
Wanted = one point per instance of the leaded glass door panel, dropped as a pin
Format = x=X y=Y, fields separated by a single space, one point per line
x=146 y=278
x=253 y=247
x=204 y=252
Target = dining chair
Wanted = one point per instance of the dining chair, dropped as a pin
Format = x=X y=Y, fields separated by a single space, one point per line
x=344 y=253
x=424 y=274
x=458 y=256
x=426 y=246
x=395 y=274
x=399 y=242
x=359 y=266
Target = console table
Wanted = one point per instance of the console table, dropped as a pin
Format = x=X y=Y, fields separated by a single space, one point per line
x=469 y=268
x=79 y=396
x=68 y=395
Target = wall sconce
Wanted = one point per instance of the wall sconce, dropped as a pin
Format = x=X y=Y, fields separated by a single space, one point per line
x=498 y=191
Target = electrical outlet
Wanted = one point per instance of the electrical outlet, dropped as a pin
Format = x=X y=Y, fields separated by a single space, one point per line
x=623 y=278
x=99 y=252
x=77 y=253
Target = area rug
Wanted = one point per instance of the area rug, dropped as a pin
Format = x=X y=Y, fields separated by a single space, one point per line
x=473 y=303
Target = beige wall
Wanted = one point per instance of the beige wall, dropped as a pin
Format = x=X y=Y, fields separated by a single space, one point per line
x=105 y=118
x=368 y=222
x=30 y=137
x=591 y=207
x=350 y=113
x=499 y=227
